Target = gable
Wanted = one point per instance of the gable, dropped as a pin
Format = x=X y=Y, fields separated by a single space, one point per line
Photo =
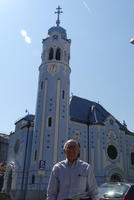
x=86 y=111
x=90 y=112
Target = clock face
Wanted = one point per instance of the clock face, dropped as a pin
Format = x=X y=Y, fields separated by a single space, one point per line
x=52 y=69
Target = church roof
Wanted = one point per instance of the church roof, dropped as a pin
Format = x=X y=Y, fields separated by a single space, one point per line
x=90 y=112
x=28 y=117
x=59 y=29
x=4 y=138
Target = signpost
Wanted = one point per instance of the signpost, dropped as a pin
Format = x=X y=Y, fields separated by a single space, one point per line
x=42 y=164
x=41 y=172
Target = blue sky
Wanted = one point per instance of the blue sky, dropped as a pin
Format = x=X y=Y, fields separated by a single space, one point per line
x=102 y=59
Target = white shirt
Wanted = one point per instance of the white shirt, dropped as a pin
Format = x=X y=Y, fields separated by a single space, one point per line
x=72 y=181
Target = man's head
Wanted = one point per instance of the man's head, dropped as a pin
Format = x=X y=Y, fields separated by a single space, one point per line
x=72 y=150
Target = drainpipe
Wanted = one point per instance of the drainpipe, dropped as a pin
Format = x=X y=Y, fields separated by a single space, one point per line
x=24 y=166
x=88 y=124
x=88 y=142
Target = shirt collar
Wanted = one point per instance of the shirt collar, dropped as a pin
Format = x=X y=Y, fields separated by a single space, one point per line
x=72 y=164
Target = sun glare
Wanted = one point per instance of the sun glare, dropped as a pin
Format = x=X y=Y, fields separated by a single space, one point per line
x=28 y=39
x=25 y=36
x=23 y=33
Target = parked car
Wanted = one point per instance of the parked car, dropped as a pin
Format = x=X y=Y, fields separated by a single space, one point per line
x=114 y=191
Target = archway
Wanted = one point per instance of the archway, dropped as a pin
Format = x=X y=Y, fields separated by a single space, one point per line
x=115 y=178
x=1 y=182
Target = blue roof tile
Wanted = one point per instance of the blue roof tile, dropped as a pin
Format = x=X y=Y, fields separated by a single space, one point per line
x=89 y=112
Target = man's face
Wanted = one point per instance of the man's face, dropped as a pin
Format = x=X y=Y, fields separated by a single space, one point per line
x=71 y=150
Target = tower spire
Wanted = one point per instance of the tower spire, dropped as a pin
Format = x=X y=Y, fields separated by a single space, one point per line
x=58 y=12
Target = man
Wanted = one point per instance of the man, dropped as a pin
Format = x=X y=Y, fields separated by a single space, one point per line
x=72 y=178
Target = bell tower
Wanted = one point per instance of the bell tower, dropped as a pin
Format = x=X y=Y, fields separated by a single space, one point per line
x=52 y=107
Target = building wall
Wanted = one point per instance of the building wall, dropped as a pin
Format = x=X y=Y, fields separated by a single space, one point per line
x=97 y=145
x=105 y=146
x=95 y=141
x=4 y=140
x=19 y=154
x=3 y=147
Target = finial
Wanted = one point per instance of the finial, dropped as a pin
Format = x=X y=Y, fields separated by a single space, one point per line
x=58 y=12
x=26 y=111
x=124 y=123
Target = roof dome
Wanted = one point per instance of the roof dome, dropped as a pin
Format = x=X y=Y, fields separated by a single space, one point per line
x=59 y=29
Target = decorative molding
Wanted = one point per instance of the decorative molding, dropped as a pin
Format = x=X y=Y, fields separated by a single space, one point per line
x=55 y=149
x=77 y=135
x=53 y=69
x=42 y=122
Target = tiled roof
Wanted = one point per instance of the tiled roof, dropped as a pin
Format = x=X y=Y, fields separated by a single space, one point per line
x=86 y=111
x=28 y=117
x=4 y=138
x=89 y=112
x=59 y=29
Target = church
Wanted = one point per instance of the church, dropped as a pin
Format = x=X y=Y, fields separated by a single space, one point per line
x=37 y=142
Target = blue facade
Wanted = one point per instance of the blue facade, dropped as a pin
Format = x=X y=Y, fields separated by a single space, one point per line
x=37 y=143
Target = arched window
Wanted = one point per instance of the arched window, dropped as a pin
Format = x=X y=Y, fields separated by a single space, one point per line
x=41 y=85
x=112 y=152
x=35 y=155
x=63 y=94
x=132 y=158
x=50 y=122
x=58 y=54
x=115 y=178
x=51 y=53
x=33 y=179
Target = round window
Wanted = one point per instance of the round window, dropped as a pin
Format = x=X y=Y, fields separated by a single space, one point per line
x=112 y=152
x=16 y=146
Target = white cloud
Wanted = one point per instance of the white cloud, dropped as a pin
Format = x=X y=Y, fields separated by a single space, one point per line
x=26 y=37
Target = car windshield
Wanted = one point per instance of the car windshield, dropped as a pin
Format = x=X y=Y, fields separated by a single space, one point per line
x=113 y=190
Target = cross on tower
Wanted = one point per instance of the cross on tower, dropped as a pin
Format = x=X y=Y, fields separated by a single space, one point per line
x=58 y=12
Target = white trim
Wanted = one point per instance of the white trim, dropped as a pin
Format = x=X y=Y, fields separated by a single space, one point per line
x=77 y=123
x=92 y=158
x=99 y=153
x=84 y=154
x=67 y=112
x=55 y=150
x=43 y=122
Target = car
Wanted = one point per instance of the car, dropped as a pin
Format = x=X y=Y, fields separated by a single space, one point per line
x=116 y=190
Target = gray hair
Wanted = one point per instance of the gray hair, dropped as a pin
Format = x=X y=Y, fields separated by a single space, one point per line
x=71 y=140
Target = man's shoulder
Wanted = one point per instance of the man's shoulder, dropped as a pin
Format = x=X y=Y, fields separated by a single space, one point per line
x=60 y=164
x=84 y=164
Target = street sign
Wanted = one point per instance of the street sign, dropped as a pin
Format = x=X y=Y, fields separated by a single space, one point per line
x=42 y=164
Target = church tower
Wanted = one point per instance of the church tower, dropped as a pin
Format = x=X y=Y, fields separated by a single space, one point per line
x=52 y=108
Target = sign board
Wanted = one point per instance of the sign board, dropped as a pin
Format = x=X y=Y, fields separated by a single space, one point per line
x=42 y=164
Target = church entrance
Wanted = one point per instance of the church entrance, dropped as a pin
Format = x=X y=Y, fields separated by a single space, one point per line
x=115 y=178
x=9 y=181
x=1 y=182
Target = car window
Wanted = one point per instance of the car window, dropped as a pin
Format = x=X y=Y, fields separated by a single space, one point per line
x=131 y=192
x=112 y=190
